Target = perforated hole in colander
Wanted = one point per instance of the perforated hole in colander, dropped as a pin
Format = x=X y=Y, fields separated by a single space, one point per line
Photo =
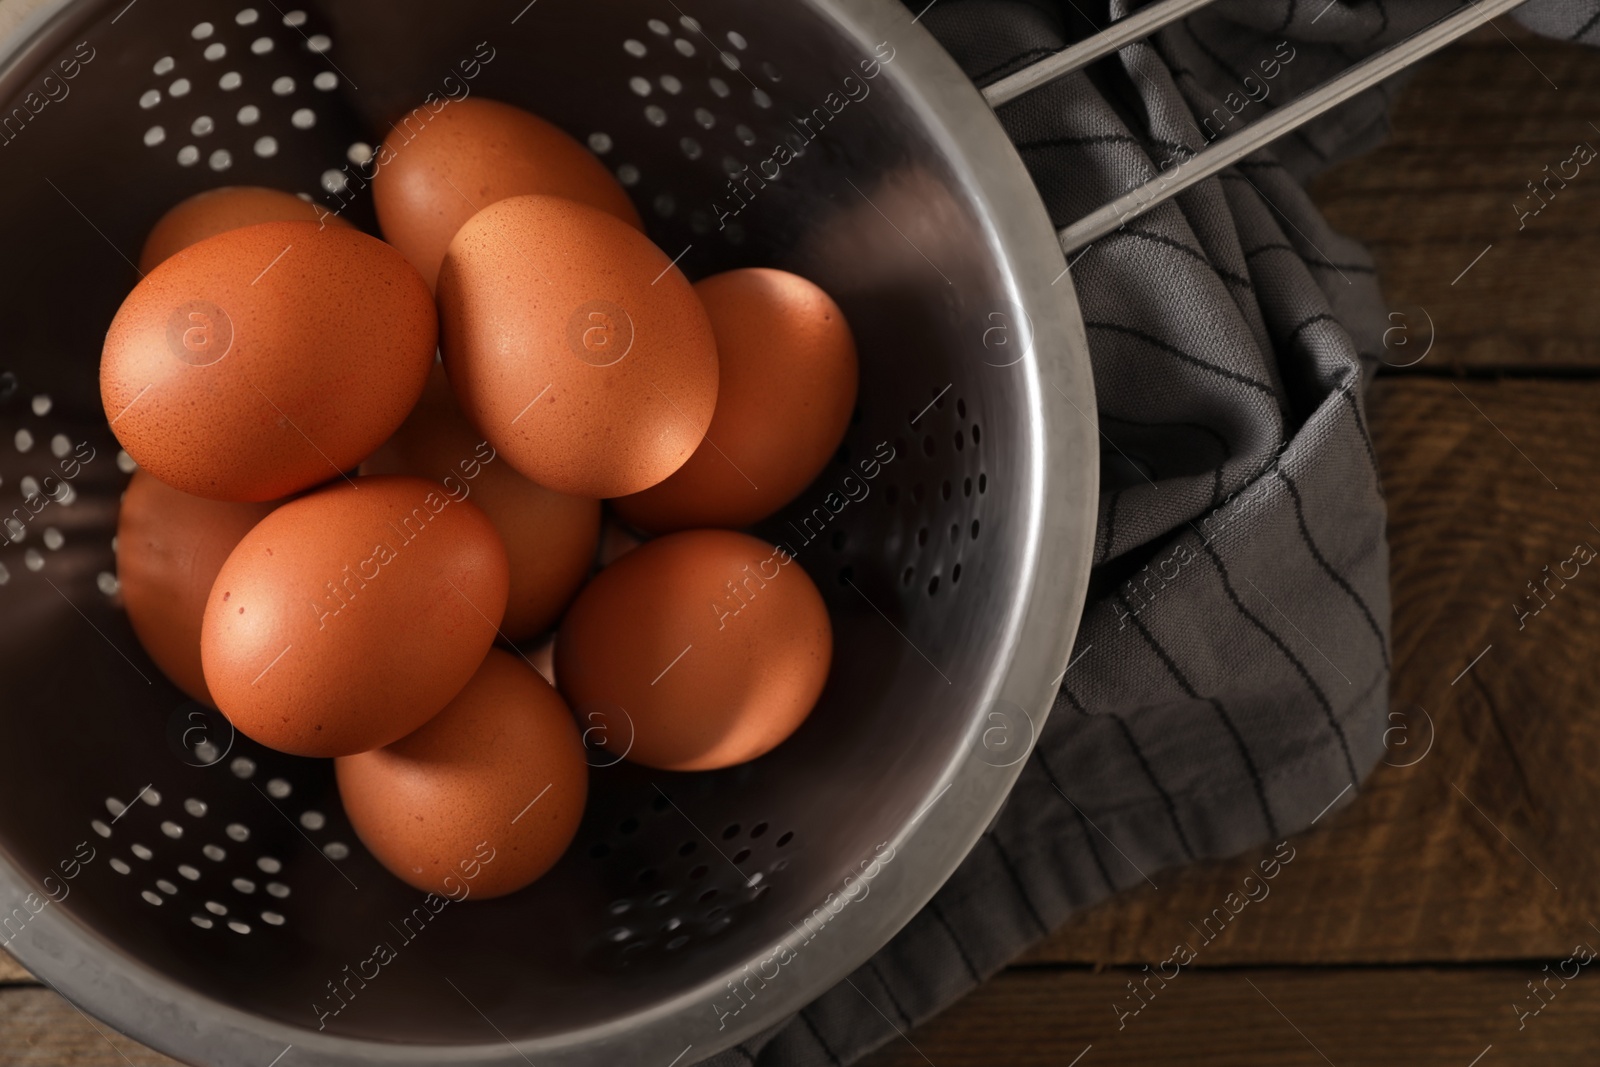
x=676 y=896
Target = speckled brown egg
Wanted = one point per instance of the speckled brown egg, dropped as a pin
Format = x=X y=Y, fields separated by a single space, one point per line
x=715 y=644
x=483 y=799
x=550 y=537
x=267 y=359
x=575 y=346
x=348 y=618
x=787 y=386
x=220 y=210
x=170 y=547
x=437 y=170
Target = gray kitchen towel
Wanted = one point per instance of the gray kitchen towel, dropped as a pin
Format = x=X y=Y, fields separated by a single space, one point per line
x=1230 y=679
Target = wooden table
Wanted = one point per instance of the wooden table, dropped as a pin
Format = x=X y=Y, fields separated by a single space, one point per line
x=1409 y=925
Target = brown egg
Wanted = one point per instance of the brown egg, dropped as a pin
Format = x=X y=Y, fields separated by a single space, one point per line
x=714 y=646
x=575 y=346
x=436 y=173
x=170 y=546
x=550 y=537
x=786 y=388
x=267 y=359
x=350 y=617
x=483 y=799
x=220 y=210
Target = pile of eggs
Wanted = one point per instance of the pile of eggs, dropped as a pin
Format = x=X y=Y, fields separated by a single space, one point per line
x=372 y=474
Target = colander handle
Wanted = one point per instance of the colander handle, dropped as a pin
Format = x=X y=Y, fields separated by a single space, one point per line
x=1224 y=153
x=1140 y=24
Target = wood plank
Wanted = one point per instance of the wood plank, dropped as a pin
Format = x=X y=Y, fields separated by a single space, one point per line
x=12 y=971
x=1413 y=871
x=39 y=1029
x=1473 y=127
x=1024 y=1017
x=1421 y=1017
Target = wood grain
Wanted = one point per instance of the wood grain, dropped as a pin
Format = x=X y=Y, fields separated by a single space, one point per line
x=1417 y=1016
x=1472 y=128
x=39 y=1029
x=11 y=971
x=1412 y=871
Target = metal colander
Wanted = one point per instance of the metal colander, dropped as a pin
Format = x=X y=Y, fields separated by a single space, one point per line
x=228 y=909
x=206 y=895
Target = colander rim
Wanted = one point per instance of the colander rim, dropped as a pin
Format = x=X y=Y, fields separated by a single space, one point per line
x=1062 y=493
